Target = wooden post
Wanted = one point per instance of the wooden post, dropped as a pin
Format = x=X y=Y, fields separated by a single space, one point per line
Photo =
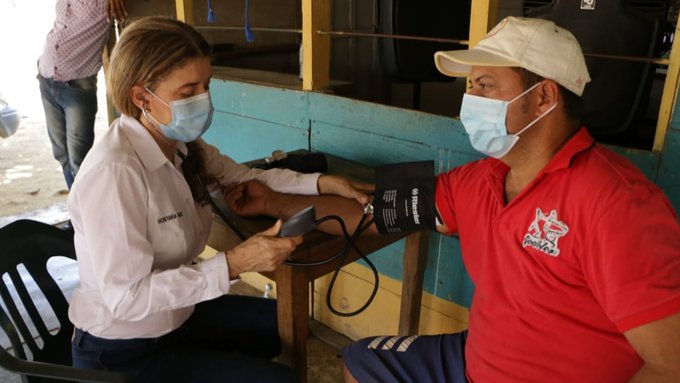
x=185 y=11
x=316 y=15
x=669 y=94
x=483 y=17
x=415 y=261
x=292 y=285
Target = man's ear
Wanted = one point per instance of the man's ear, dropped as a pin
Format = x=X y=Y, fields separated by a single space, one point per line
x=549 y=93
x=138 y=95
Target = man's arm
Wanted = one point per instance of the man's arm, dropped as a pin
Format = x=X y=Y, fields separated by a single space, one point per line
x=253 y=198
x=441 y=226
x=658 y=344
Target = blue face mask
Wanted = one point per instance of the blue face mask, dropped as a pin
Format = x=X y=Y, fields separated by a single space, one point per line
x=191 y=117
x=484 y=122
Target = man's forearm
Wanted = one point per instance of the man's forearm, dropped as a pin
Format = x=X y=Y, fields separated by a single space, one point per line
x=286 y=205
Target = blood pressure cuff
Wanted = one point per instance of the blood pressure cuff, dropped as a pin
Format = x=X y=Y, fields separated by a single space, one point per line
x=404 y=197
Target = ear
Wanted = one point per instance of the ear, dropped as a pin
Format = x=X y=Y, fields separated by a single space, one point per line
x=138 y=95
x=549 y=94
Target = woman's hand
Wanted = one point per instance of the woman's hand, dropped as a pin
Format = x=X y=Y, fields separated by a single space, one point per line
x=261 y=252
x=345 y=188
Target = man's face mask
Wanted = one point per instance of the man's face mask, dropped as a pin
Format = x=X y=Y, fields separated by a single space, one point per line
x=191 y=117
x=484 y=122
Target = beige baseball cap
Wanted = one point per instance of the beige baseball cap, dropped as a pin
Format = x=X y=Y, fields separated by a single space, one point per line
x=537 y=45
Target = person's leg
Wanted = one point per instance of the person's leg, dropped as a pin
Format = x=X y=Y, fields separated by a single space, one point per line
x=56 y=125
x=128 y=356
x=231 y=338
x=79 y=101
x=417 y=359
x=236 y=323
x=168 y=359
x=200 y=365
x=347 y=376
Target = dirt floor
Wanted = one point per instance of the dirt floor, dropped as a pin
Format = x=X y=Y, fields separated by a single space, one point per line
x=30 y=178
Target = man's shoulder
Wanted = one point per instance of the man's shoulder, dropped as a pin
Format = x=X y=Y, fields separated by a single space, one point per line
x=475 y=169
x=603 y=165
x=608 y=182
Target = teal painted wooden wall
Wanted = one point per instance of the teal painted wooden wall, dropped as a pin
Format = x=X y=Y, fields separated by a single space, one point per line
x=251 y=121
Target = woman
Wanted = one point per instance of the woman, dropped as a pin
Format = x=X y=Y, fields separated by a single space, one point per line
x=144 y=305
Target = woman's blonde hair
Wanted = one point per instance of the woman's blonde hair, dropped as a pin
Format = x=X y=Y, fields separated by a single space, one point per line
x=148 y=50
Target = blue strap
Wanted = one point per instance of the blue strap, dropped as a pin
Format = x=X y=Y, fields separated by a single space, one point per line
x=249 y=34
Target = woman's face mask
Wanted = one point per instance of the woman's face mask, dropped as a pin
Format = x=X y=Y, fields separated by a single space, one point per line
x=191 y=117
x=484 y=122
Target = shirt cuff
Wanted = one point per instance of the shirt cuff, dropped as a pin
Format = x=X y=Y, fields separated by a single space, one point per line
x=219 y=279
x=301 y=183
x=659 y=312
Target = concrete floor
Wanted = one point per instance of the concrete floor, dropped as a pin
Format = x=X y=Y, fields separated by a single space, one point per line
x=323 y=348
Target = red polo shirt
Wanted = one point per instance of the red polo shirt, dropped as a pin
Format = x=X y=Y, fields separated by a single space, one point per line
x=587 y=251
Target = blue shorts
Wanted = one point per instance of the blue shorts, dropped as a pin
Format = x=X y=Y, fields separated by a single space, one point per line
x=406 y=359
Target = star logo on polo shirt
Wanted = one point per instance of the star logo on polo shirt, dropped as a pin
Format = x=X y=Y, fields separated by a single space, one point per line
x=544 y=233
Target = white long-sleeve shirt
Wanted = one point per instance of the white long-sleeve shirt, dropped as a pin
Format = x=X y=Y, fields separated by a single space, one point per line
x=138 y=232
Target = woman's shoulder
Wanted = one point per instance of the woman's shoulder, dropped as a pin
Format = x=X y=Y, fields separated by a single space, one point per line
x=114 y=147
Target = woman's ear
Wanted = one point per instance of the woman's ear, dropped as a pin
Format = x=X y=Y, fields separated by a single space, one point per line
x=138 y=95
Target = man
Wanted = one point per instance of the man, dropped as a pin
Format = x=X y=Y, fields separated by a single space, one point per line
x=67 y=73
x=575 y=256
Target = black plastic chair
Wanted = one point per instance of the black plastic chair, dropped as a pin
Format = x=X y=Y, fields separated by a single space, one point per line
x=31 y=244
x=617 y=96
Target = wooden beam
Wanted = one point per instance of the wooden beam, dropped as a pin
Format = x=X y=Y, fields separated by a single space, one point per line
x=316 y=48
x=415 y=262
x=668 y=96
x=185 y=11
x=292 y=310
x=483 y=17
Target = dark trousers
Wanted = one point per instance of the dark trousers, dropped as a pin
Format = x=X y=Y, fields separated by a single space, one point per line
x=408 y=359
x=228 y=339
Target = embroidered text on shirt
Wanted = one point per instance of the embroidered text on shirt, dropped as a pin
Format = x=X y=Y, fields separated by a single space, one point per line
x=169 y=217
x=544 y=233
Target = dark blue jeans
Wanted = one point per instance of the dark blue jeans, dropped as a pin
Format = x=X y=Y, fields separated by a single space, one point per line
x=232 y=338
x=70 y=110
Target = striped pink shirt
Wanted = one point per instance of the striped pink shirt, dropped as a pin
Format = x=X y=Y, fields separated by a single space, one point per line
x=74 y=46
